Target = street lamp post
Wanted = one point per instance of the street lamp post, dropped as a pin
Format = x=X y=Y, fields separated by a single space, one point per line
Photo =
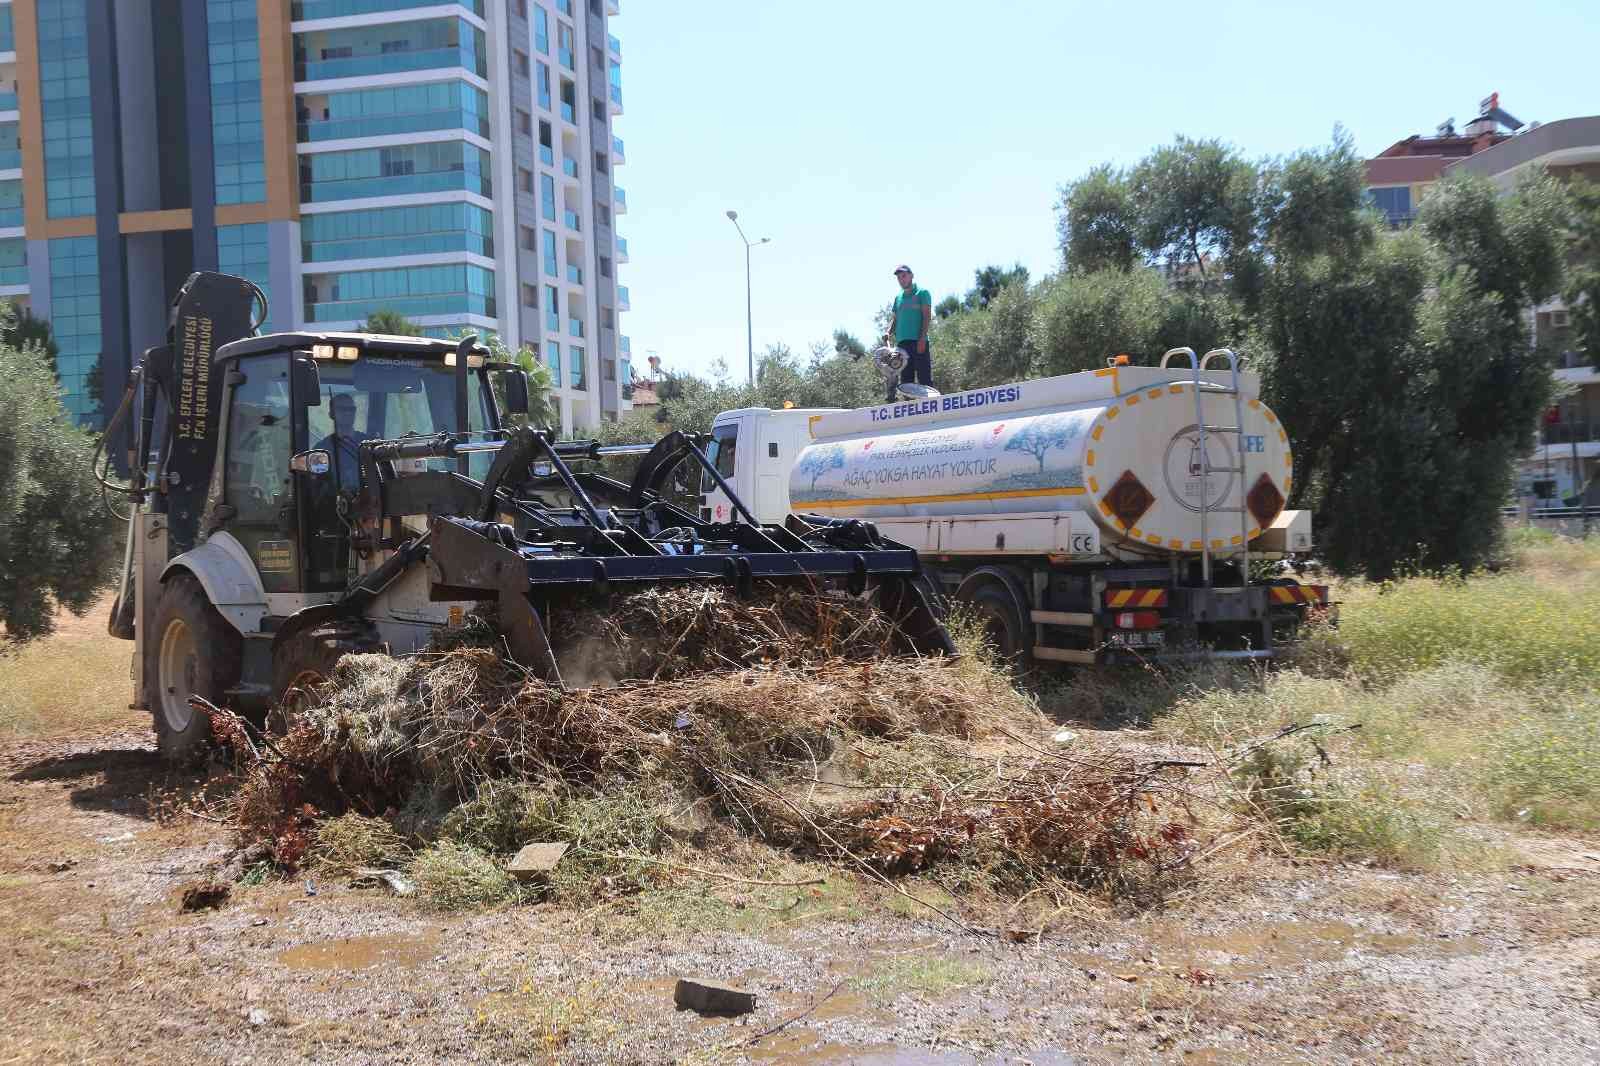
x=749 y=322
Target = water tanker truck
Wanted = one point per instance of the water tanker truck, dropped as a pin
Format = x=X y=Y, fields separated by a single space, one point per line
x=1103 y=516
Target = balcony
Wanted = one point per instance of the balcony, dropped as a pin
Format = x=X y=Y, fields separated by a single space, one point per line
x=568 y=113
x=616 y=99
x=575 y=327
x=625 y=346
x=614 y=45
x=622 y=249
x=547 y=155
x=622 y=299
x=410 y=306
x=391 y=63
x=340 y=129
x=552 y=320
x=619 y=201
x=14 y=276
x=1577 y=431
x=572 y=220
x=306 y=10
x=565 y=7
x=567 y=58
x=574 y=274
x=8 y=101
x=569 y=167
x=327 y=189
x=10 y=158
x=612 y=8
x=617 y=154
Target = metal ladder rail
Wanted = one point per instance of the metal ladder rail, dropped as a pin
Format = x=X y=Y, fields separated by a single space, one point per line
x=1238 y=430
x=1200 y=387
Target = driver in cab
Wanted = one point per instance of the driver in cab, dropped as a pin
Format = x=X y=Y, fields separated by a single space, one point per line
x=343 y=443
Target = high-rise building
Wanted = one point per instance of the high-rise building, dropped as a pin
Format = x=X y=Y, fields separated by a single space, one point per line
x=449 y=160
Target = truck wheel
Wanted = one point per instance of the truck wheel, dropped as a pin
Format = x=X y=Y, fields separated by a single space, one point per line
x=1004 y=628
x=192 y=651
x=302 y=665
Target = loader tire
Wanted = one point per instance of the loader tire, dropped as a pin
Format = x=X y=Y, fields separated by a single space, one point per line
x=193 y=651
x=302 y=665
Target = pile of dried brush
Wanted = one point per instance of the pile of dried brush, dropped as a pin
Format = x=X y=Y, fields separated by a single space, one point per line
x=763 y=709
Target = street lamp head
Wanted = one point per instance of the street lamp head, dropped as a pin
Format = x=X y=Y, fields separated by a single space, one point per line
x=733 y=216
x=765 y=240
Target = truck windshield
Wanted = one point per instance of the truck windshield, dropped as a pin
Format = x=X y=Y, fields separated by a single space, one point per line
x=382 y=397
x=722 y=451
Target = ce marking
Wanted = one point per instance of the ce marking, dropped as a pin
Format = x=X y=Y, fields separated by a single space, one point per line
x=1082 y=544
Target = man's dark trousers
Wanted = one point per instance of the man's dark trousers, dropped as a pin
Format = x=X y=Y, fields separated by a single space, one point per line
x=919 y=365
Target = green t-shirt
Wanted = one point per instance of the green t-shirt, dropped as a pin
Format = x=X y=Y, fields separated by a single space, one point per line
x=908 y=313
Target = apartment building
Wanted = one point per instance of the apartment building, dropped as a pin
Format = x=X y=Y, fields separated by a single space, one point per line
x=1569 y=449
x=450 y=160
x=1401 y=175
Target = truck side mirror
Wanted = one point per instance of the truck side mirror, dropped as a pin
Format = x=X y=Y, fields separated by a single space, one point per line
x=305 y=381
x=317 y=463
x=516 y=382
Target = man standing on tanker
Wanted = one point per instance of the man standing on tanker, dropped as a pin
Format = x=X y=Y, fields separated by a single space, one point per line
x=912 y=314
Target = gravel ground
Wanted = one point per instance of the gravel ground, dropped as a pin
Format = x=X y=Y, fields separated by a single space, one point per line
x=1265 y=961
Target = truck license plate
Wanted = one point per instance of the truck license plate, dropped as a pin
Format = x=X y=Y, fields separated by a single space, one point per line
x=1139 y=638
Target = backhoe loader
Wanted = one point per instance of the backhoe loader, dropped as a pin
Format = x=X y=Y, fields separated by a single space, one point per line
x=297 y=496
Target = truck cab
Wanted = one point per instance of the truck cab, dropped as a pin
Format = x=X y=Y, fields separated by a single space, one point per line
x=754 y=449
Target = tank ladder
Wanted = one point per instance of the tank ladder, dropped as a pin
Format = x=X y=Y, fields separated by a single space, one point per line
x=1202 y=388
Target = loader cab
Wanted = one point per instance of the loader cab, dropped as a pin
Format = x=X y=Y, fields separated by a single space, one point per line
x=754 y=449
x=293 y=393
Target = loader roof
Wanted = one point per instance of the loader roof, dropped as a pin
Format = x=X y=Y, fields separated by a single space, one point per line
x=272 y=342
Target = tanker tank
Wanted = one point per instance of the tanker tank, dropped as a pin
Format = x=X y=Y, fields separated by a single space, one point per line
x=1119 y=448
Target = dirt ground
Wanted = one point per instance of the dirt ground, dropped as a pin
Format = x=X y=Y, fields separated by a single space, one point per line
x=1265 y=959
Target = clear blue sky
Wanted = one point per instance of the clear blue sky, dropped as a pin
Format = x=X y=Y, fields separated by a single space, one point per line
x=859 y=134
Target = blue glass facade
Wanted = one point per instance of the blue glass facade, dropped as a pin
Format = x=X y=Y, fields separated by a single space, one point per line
x=580 y=368
x=392 y=48
x=329 y=9
x=75 y=318
x=456 y=288
x=413 y=168
x=10 y=147
x=547 y=197
x=552 y=316
x=64 y=102
x=552 y=359
x=551 y=266
x=8 y=35
x=13 y=261
x=382 y=112
x=242 y=250
x=10 y=203
x=385 y=231
x=235 y=57
x=541 y=29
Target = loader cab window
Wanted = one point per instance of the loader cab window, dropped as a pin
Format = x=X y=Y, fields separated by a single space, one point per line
x=256 y=480
x=378 y=397
x=723 y=451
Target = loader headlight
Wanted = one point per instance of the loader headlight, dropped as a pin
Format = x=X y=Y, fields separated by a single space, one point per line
x=348 y=352
x=322 y=351
x=473 y=361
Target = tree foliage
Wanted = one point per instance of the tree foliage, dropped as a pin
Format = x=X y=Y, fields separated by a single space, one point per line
x=391 y=323
x=21 y=330
x=57 y=542
x=1582 y=291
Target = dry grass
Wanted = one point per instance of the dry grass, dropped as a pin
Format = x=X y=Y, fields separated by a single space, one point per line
x=74 y=681
x=1436 y=700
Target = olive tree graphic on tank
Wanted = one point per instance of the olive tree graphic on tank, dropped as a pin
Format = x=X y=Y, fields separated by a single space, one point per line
x=816 y=462
x=1023 y=454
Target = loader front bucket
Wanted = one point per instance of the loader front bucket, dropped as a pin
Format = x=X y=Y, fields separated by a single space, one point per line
x=472 y=560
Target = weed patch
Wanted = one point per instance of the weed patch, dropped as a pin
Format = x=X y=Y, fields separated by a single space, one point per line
x=452 y=876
